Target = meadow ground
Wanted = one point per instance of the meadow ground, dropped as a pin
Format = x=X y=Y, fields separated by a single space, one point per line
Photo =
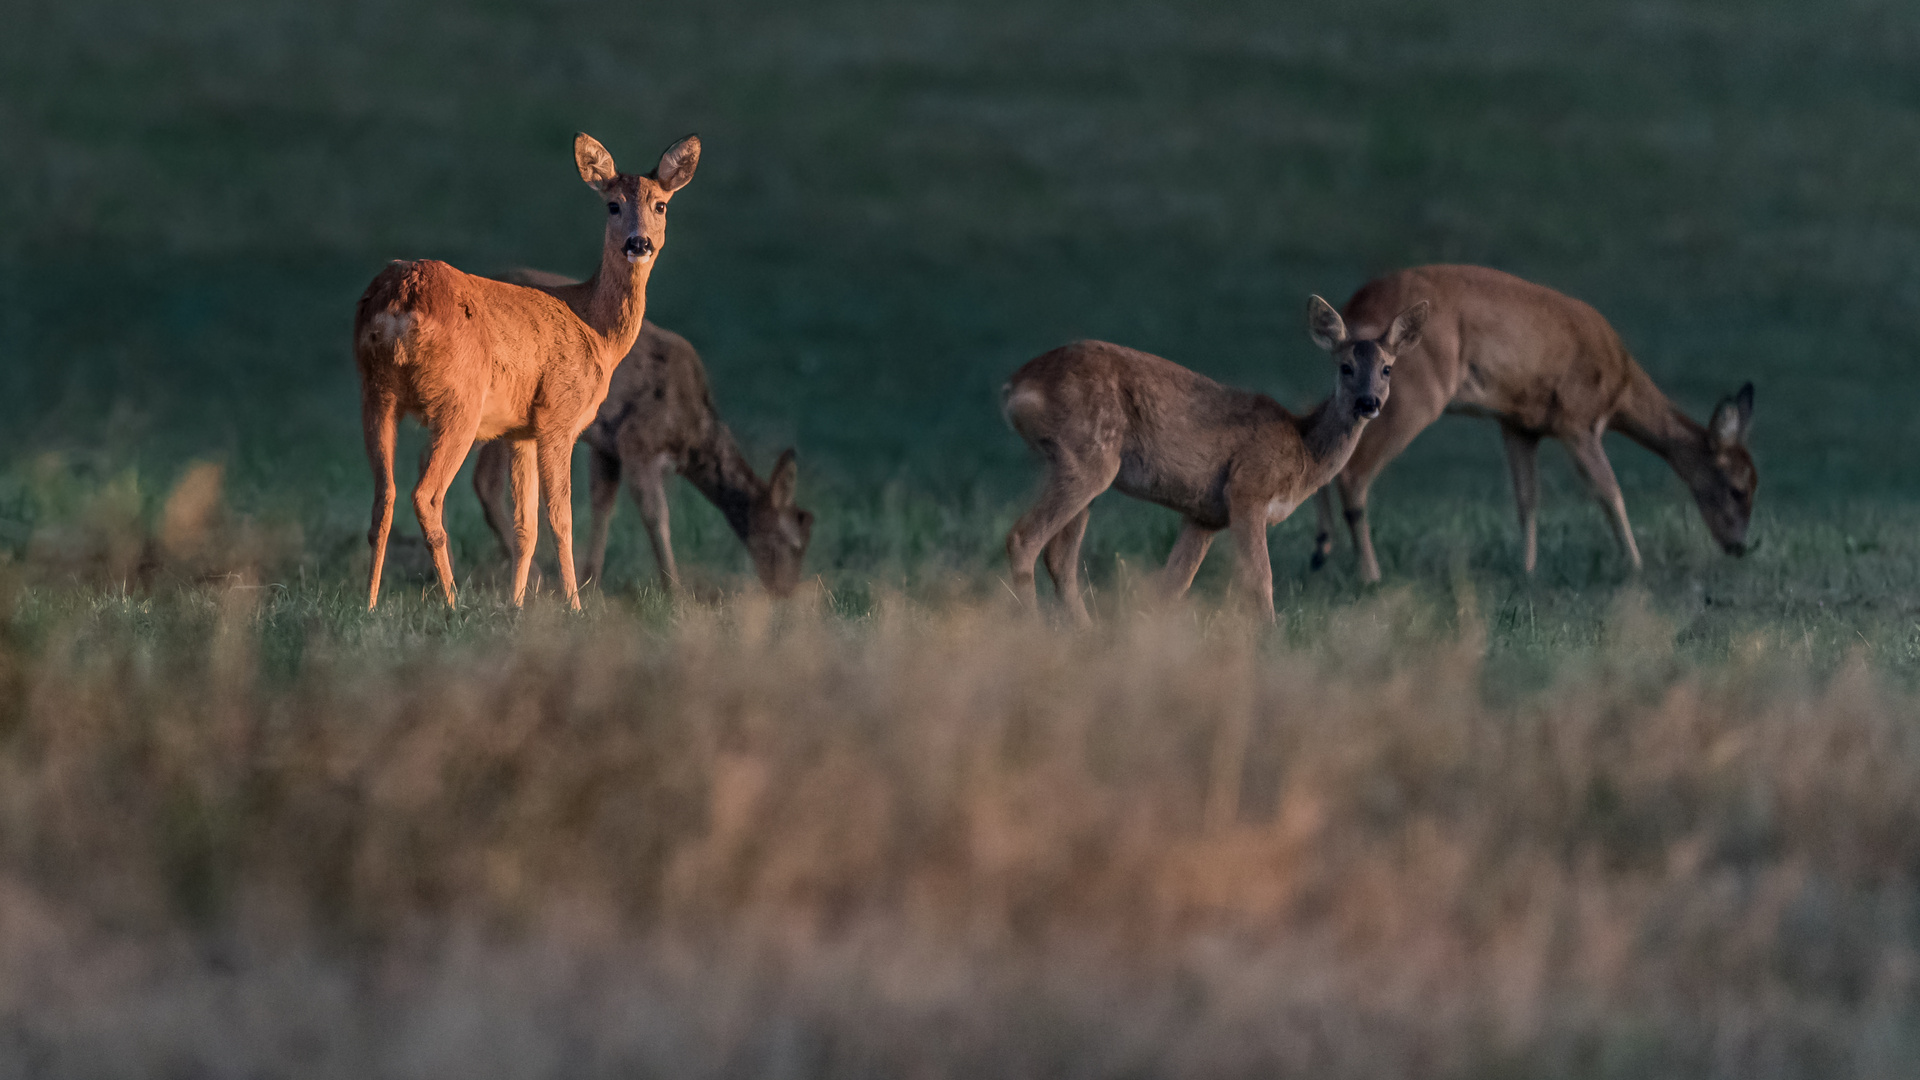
x=1465 y=824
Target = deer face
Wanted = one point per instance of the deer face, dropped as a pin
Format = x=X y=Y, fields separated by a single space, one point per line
x=778 y=531
x=1366 y=364
x=1724 y=484
x=636 y=205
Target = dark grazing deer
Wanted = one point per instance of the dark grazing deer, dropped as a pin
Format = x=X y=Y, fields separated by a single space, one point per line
x=1541 y=364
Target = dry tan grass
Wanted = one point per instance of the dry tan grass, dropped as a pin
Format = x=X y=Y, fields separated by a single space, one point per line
x=949 y=844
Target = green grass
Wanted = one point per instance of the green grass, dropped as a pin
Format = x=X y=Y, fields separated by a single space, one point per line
x=899 y=204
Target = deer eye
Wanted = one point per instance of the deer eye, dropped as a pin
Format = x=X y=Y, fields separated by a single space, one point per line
x=613 y=208
x=659 y=208
x=1346 y=369
x=1386 y=372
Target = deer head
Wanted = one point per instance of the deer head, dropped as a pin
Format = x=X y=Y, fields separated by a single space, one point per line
x=1366 y=364
x=778 y=531
x=636 y=205
x=1724 y=481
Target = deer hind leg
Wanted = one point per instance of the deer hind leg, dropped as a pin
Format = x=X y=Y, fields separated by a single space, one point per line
x=1073 y=481
x=1183 y=562
x=524 y=465
x=1590 y=458
x=1523 y=460
x=604 y=494
x=648 y=482
x=1063 y=565
x=445 y=455
x=492 y=467
x=556 y=483
x=380 y=415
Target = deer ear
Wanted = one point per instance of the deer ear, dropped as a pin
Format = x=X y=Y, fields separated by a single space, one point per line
x=1731 y=418
x=1404 y=334
x=781 y=482
x=677 y=164
x=1329 y=330
x=797 y=527
x=596 y=165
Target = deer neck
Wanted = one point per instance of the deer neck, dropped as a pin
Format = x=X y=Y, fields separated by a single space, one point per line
x=1330 y=435
x=720 y=471
x=616 y=301
x=1649 y=418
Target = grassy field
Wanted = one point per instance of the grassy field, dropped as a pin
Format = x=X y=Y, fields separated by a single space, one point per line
x=1593 y=825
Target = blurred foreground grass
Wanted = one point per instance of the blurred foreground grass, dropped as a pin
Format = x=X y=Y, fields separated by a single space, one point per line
x=734 y=840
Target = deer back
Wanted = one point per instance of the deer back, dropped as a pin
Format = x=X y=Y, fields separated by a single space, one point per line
x=1174 y=432
x=1497 y=345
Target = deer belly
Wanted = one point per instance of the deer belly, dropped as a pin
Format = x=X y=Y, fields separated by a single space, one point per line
x=498 y=419
x=1202 y=500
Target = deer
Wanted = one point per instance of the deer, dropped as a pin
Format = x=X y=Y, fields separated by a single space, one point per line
x=474 y=358
x=659 y=418
x=1103 y=415
x=1541 y=364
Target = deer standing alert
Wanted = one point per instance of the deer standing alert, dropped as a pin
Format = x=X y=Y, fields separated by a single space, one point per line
x=476 y=358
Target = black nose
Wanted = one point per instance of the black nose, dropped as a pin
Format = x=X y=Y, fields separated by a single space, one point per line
x=1369 y=404
x=1736 y=549
x=639 y=245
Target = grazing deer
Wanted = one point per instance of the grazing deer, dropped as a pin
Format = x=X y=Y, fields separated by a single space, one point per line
x=475 y=358
x=659 y=418
x=1541 y=364
x=1107 y=416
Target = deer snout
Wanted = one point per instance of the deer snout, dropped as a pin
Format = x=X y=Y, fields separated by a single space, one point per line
x=638 y=247
x=1736 y=548
x=1368 y=406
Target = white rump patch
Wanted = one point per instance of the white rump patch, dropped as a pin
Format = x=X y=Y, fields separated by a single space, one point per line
x=1023 y=399
x=388 y=327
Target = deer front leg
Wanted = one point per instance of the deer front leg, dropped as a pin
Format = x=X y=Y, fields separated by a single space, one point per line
x=605 y=495
x=1523 y=458
x=525 y=468
x=555 y=450
x=492 y=468
x=1253 y=569
x=1590 y=457
x=648 y=482
x=1323 y=535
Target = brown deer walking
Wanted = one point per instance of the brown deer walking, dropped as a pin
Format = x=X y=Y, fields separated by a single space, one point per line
x=659 y=418
x=1107 y=416
x=475 y=358
x=1542 y=364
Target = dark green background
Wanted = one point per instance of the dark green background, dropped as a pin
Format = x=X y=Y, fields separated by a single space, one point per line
x=898 y=204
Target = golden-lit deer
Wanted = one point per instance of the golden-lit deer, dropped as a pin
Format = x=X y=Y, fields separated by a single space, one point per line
x=1542 y=364
x=658 y=418
x=476 y=358
x=1107 y=416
